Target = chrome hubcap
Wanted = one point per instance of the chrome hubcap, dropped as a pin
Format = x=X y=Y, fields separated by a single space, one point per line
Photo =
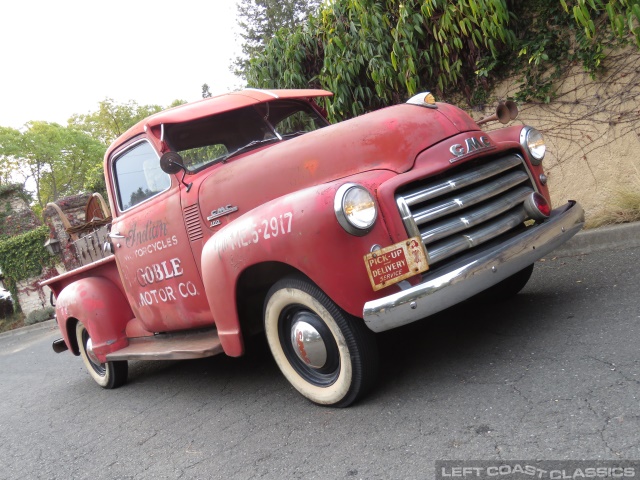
x=90 y=354
x=308 y=344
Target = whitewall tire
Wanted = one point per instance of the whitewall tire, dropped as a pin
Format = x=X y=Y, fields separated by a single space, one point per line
x=107 y=375
x=328 y=356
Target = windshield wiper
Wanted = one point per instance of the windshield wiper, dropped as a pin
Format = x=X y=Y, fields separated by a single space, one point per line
x=252 y=143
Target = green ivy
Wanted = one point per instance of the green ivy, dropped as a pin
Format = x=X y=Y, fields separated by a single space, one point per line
x=374 y=53
x=24 y=256
x=555 y=36
x=623 y=17
x=543 y=49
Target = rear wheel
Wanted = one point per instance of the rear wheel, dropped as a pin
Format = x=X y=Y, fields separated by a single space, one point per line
x=328 y=356
x=107 y=375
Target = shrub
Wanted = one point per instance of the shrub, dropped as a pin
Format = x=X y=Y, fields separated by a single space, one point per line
x=624 y=207
x=6 y=307
x=38 y=316
x=12 y=321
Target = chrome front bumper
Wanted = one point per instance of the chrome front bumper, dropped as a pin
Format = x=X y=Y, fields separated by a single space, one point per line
x=461 y=280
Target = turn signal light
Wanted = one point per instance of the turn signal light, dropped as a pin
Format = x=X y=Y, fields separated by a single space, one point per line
x=537 y=207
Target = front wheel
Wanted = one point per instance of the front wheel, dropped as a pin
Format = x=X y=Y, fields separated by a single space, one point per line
x=328 y=356
x=107 y=375
x=507 y=288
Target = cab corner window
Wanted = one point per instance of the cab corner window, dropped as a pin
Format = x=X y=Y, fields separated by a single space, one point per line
x=138 y=175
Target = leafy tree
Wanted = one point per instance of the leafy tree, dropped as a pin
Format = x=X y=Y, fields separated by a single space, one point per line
x=54 y=158
x=373 y=53
x=177 y=102
x=555 y=36
x=259 y=20
x=10 y=146
x=623 y=17
x=58 y=161
x=106 y=124
x=139 y=195
x=112 y=119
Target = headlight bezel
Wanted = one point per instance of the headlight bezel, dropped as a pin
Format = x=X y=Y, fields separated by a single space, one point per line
x=363 y=225
x=533 y=142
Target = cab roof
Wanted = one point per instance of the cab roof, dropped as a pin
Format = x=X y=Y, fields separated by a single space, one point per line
x=215 y=105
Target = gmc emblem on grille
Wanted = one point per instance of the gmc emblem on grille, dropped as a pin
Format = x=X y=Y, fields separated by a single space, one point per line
x=471 y=145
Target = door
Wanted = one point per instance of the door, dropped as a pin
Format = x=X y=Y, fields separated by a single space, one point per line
x=151 y=245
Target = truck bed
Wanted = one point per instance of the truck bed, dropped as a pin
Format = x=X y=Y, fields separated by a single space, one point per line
x=105 y=267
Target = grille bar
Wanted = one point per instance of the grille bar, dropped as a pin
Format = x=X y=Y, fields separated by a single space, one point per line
x=474 y=217
x=462 y=180
x=478 y=236
x=471 y=206
x=472 y=197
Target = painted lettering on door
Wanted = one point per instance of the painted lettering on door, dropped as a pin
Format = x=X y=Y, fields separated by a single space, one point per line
x=152 y=279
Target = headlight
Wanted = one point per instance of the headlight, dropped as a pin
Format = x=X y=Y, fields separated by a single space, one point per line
x=531 y=139
x=355 y=209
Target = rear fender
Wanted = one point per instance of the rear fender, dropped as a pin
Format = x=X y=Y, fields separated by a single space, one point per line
x=299 y=230
x=98 y=304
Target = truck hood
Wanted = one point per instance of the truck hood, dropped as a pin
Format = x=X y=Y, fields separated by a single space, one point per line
x=388 y=139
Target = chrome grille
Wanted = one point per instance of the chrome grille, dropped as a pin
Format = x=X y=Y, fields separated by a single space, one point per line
x=467 y=207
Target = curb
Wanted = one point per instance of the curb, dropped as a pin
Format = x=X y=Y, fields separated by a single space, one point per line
x=47 y=324
x=614 y=237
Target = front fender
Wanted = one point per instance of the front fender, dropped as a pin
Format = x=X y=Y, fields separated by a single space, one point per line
x=98 y=304
x=299 y=230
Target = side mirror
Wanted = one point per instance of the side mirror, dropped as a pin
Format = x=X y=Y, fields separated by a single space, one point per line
x=171 y=162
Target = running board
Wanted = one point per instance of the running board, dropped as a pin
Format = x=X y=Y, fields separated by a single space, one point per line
x=170 y=346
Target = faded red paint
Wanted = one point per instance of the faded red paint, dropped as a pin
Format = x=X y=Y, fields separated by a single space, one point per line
x=176 y=270
x=311 y=166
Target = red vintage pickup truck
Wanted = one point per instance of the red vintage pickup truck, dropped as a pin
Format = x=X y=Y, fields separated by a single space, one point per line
x=248 y=213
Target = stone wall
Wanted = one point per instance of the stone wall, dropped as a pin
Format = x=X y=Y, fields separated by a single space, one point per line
x=30 y=295
x=33 y=297
x=592 y=131
x=15 y=214
x=16 y=202
x=18 y=218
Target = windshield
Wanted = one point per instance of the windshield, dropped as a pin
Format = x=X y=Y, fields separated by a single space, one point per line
x=216 y=138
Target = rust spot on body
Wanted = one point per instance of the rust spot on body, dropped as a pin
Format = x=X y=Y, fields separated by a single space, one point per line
x=311 y=166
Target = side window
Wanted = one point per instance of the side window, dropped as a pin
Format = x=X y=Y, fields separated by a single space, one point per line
x=138 y=175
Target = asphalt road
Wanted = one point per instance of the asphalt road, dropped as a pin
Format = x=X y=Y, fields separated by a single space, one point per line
x=551 y=374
